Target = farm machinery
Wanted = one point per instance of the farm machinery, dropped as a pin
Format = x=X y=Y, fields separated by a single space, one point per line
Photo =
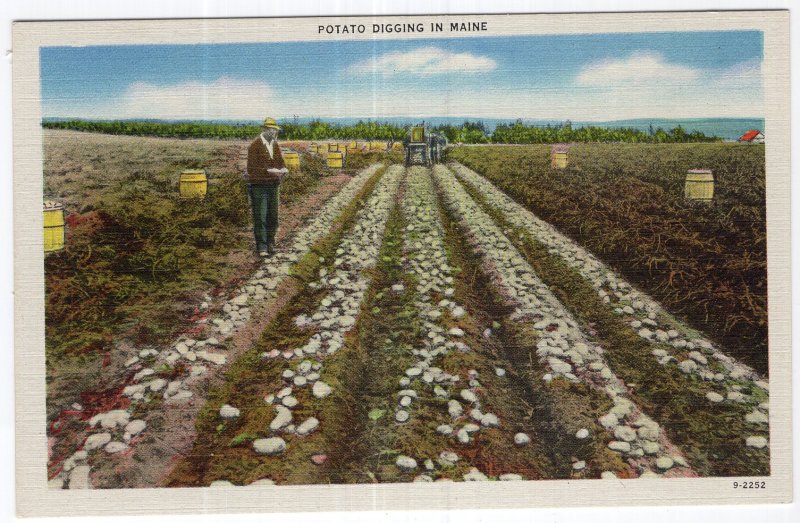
x=423 y=147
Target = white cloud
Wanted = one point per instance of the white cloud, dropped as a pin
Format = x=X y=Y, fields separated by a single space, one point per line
x=222 y=98
x=425 y=61
x=639 y=68
x=644 y=85
x=733 y=91
x=743 y=75
x=700 y=100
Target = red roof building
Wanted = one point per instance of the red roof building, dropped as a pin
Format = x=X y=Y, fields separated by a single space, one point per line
x=752 y=136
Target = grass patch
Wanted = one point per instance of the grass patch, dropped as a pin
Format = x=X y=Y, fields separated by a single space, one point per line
x=142 y=247
x=624 y=203
x=138 y=257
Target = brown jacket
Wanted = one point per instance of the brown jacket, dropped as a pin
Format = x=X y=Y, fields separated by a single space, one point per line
x=258 y=163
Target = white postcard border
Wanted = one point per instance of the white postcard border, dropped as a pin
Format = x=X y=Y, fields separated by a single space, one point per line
x=33 y=496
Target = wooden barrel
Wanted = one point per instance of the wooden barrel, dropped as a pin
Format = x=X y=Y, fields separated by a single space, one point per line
x=54 y=228
x=335 y=160
x=558 y=159
x=699 y=185
x=291 y=159
x=193 y=183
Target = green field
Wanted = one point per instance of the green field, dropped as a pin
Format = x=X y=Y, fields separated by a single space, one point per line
x=625 y=204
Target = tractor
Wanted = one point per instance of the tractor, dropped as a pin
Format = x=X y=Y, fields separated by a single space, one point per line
x=423 y=147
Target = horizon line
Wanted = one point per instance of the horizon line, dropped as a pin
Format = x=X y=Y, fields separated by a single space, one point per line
x=142 y=118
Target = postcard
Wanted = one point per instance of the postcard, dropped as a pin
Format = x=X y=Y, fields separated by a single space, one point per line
x=374 y=263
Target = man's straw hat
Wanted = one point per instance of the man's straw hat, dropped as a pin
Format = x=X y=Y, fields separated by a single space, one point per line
x=270 y=122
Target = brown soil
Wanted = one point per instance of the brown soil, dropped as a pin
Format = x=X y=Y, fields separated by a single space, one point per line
x=79 y=167
x=160 y=447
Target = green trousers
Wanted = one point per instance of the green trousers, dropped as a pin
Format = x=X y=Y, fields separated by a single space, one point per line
x=264 y=201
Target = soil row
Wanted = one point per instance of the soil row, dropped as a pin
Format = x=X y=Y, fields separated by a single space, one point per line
x=279 y=404
x=438 y=331
x=149 y=418
x=714 y=407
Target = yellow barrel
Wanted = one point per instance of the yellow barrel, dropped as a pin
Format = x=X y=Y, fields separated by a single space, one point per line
x=335 y=160
x=193 y=183
x=291 y=159
x=699 y=185
x=377 y=146
x=54 y=228
x=335 y=148
x=558 y=160
x=397 y=146
x=352 y=147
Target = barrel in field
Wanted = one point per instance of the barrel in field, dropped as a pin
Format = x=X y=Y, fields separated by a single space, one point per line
x=193 y=183
x=377 y=146
x=291 y=159
x=558 y=156
x=397 y=146
x=699 y=185
x=335 y=148
x=54 y=227
x=559 y=160
x=335 y=160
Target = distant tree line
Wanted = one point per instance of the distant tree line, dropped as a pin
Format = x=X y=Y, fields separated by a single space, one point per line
x=518 y=132
x=468 y=132
x=314 y=130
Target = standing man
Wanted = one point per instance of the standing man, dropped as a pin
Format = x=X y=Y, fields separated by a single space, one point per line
x=265 y=170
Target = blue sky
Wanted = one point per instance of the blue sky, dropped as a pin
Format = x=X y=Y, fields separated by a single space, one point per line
x=580 y=77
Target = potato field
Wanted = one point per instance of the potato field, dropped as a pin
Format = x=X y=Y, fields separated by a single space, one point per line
x=625 y=204
x=488 y=318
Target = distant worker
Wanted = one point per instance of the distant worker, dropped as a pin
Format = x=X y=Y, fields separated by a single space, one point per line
x=265 y=170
